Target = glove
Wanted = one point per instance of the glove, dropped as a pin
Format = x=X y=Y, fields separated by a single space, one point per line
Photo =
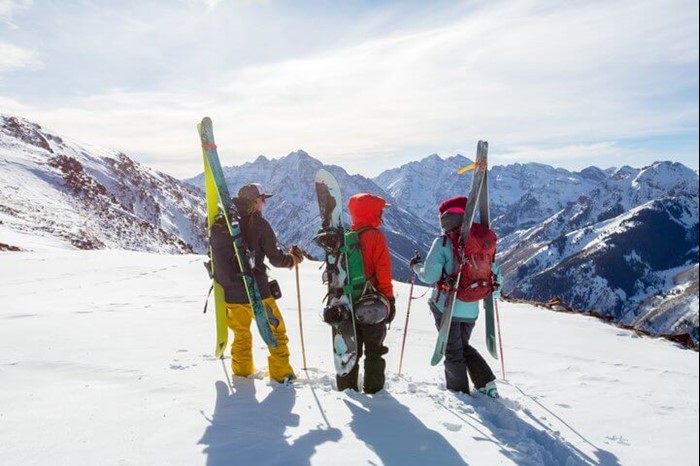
x=496 y=290
x=297 y=254
x=416 y=259
x=392 y=310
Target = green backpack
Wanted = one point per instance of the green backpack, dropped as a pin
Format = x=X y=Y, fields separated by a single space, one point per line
x=354 y=266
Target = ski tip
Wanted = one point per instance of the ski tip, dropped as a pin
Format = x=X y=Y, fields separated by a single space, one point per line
x=482 y=148
x=206 y=121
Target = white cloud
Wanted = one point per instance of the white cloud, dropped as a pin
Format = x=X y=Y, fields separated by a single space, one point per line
x=12 y=106
x=508 y=74
x=9 y=7
x=587 y=154
x=13 y=57
x=215 y=3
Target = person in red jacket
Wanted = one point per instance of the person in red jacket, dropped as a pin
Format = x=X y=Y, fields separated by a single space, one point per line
x=366 y=211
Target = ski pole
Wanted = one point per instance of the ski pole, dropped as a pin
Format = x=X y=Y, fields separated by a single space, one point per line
x=500 y=341
x=405 y=327
x=230 y=385
x=301 y=328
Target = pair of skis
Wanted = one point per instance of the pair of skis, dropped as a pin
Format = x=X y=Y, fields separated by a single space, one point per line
x=332 y=231
x=478 y=197
x=219 y=203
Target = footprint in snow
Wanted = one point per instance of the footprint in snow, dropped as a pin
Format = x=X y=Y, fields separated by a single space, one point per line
x=619 y=439
x=452 y=427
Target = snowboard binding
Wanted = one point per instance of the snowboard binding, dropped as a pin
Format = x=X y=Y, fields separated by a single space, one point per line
x=330 y=240
x=336 y=313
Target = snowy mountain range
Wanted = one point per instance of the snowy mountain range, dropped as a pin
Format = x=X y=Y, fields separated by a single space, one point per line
x=628 y=246
x=620 y=242
x=293 y=210
x=521 y=195
x=89 y=197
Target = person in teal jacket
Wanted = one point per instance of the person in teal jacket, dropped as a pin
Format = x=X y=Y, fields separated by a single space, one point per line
x=462 y=360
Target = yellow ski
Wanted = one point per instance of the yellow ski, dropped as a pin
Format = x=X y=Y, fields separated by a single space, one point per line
x=219 y=298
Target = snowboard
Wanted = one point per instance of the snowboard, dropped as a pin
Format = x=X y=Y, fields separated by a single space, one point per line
x=212 y=168
x=338 y=300
x=476 y=191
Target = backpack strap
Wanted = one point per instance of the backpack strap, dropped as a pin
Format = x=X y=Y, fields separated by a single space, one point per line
x=447 y=282
x=359 y=233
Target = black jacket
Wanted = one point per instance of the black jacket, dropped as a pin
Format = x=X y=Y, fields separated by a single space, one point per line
x=261 y=242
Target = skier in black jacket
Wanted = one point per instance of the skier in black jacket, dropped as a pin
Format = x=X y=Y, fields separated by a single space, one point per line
x=261 y=242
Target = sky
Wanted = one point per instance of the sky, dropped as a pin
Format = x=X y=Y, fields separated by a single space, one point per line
x=367 y=85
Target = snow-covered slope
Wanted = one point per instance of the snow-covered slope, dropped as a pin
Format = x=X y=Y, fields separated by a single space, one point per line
x=73 y=194
x=524 y=195
x=106 y=358
x=605 y=241
x=626 y=189
x=293 y=210
x=617 y=251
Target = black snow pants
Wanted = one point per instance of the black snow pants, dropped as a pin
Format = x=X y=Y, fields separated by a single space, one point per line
x=461 y=359
x=370 y=340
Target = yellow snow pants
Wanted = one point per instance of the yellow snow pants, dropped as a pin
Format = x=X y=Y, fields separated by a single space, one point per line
x=240 y=317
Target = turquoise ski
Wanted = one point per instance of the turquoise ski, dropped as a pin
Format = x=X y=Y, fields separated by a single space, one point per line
x=211 y=158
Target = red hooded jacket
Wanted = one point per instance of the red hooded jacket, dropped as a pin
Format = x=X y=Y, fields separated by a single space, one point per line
x=366 y=211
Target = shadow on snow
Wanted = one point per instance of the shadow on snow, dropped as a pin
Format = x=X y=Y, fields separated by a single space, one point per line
x=244 y=430
x=395 y=435
x=520 y=441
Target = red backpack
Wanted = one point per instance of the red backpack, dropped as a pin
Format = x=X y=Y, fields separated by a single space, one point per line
x=477 y=279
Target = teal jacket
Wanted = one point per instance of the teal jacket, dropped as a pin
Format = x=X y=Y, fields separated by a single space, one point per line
x=440 y=257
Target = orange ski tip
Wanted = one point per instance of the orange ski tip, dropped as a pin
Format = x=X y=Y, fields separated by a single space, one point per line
x=472 y=166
